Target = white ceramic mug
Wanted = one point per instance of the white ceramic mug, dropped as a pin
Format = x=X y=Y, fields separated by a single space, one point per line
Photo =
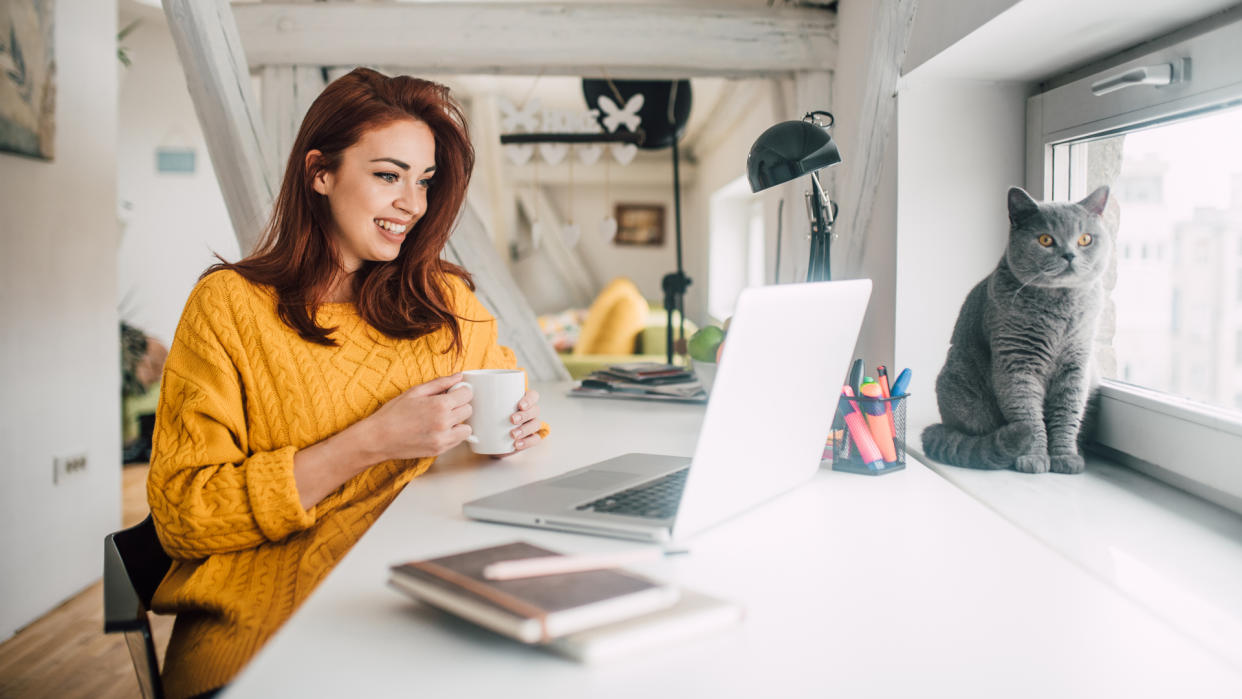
x=496 y=396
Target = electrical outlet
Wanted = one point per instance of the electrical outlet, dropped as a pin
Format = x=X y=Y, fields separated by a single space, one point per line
x=64 y=466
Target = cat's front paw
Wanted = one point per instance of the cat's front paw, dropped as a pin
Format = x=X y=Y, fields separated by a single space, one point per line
x=1032 y=463
x=1067 y=463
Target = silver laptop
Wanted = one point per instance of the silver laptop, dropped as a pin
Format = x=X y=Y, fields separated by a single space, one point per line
x=768 y=417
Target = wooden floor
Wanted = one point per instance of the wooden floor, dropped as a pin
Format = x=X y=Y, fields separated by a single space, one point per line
x=65 y=653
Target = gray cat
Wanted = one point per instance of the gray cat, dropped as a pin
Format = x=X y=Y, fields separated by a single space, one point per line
x=1014 y=388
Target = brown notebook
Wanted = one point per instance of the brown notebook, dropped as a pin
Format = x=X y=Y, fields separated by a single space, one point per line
x=532 y=610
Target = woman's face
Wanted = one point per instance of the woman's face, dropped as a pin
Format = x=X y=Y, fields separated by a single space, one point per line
x=379 y=191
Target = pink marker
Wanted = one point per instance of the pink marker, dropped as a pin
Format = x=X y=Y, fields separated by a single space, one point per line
x=857 y=425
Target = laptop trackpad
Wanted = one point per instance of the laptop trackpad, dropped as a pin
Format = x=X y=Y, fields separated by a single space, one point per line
x=592 y=480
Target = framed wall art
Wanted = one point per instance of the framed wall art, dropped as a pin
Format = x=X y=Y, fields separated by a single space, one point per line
x=640 y=224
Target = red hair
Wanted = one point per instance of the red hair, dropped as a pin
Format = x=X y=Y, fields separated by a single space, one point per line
x=402 y=298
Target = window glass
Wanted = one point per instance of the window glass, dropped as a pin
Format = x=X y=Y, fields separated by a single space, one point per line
x=1177 y=294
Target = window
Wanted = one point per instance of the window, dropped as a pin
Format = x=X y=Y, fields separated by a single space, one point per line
x=1171 y=361
x=736 y=253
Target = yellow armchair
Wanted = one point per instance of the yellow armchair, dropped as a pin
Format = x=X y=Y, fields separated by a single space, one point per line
x=620 y=326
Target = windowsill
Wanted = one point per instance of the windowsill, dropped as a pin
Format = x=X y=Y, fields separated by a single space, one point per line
x=1175 y=554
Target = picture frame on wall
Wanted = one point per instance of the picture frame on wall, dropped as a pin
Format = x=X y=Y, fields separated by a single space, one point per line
x=640 y=224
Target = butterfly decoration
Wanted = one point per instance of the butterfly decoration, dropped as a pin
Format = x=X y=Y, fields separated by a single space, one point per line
x=513 y=118
x=615 y=117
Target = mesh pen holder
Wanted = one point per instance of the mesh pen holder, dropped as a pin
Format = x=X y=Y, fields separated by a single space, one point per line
x=884 y=445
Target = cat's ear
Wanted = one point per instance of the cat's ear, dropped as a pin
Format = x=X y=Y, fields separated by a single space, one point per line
x=1021 y=204
x=1096 y=201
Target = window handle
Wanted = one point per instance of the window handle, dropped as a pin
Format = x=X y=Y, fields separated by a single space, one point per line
x=1162 y=74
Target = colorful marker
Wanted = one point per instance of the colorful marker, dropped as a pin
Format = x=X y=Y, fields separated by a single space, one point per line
x=881 y=373
x=856 y=376
x=878 y=422
x=902 y=383
x=857 y=425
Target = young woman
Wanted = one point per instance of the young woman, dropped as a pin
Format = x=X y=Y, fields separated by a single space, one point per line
x=308 y=383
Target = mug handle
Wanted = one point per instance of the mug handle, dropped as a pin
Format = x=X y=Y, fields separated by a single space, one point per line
x=473 y=439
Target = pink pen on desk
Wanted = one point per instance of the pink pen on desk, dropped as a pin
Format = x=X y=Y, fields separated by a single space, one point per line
x=857 y=425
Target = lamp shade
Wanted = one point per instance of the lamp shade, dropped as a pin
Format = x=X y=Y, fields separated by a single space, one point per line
x=787 y=151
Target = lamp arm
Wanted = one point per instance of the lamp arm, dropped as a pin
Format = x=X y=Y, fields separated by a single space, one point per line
x=822 y=218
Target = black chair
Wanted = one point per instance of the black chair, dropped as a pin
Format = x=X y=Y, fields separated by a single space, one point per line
x=134 y=565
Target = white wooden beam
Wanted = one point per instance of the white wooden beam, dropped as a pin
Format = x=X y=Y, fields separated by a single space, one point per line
x=218 y=79
x=577 y=281
x=641 y=172
x=518 y=329
x=553 y=38
x=287 y=93
x=877 y=119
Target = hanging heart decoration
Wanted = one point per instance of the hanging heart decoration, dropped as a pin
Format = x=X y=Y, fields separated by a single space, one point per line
x=623 y=153
x=608 y=228
x=587 y=155
x=553 y=153
x=519 y=154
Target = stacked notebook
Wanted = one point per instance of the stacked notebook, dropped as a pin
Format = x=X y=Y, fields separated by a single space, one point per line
x=642 y=380
x=589 y=616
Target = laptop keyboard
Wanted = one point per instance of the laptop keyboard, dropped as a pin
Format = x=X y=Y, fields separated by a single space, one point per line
x=656 y=499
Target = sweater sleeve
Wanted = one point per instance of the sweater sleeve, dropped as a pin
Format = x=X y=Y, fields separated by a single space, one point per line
x=208 y=492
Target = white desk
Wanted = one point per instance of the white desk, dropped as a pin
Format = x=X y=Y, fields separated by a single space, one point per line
x=897 y=586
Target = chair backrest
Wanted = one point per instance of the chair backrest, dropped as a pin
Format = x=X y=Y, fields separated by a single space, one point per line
x=134 y=565
x=614 y=320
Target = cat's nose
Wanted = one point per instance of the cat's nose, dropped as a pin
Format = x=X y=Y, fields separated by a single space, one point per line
x=1069 y=256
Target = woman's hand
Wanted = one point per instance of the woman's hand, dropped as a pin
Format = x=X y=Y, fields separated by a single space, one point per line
x=426 y=420
x=525 y=433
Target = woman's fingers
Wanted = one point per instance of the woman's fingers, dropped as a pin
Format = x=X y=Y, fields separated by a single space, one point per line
x=461 y=413
x=531 y=399
x=526 y=442
x=439 y=385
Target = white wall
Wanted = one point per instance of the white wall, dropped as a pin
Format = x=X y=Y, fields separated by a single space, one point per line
x=60 y=345
x=177 y=220
x=960 y=147
x=717 y=168
x=645 y=265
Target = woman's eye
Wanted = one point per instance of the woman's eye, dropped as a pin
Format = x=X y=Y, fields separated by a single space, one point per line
x=425 y=183
x=1045 y=240
x=388 y=177
x=1085 y=239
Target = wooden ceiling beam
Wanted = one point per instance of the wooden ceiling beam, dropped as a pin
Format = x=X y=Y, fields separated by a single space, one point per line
x=590 y=40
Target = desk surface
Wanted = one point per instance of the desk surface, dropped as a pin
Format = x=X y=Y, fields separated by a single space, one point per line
x=854 y=586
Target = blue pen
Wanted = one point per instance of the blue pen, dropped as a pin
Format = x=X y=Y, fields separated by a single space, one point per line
x=899 y=386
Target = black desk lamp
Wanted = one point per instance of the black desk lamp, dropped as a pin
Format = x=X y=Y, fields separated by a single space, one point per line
x=788 y=151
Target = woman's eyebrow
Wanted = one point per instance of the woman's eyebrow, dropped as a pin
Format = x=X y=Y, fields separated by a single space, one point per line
x=394 y=161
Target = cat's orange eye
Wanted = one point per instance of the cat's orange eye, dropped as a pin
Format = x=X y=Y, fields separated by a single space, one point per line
x=1045 y=240
x=1085 y=239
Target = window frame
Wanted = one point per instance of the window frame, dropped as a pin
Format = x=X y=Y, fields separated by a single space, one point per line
x=1185 y=443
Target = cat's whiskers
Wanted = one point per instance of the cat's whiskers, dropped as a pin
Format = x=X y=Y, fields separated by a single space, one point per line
x=1042 y=273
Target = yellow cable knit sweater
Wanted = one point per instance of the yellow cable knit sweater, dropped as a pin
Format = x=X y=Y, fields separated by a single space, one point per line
x=241 y=393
